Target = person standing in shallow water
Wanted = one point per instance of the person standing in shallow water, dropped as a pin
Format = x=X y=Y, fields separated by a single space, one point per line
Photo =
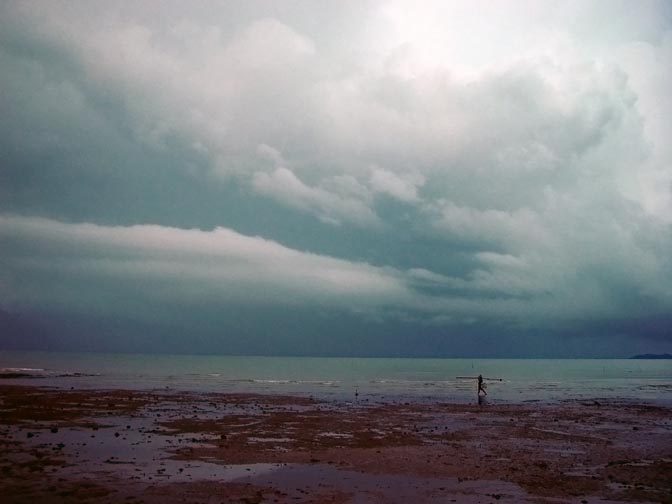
x=480 y=386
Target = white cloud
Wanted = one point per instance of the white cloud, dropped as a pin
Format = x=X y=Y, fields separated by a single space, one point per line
x=513 y=228
x=218 y=266
x=270 y=154
x=283 y=186
x=403 y=188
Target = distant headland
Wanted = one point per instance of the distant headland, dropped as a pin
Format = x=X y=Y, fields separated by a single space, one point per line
x=652 y=356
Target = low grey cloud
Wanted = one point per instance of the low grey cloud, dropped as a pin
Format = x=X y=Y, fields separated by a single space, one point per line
x=447 y=163
x=117 y=267
x=216 y=266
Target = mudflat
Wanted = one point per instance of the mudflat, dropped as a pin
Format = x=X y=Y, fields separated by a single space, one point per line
x=166 y=447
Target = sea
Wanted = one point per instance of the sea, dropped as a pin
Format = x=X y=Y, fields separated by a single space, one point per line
x=350 y=379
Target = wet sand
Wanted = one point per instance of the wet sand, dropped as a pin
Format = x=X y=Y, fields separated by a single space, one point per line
x=169 y=447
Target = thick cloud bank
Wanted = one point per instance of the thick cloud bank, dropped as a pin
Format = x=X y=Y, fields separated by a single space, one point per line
x=447 y=164
x=182 y=267
x=115 y=270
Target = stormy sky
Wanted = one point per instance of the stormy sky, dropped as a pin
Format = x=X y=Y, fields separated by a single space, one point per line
x=435 y=178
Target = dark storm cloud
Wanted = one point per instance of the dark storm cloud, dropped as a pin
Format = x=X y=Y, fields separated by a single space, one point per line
x=376 y=163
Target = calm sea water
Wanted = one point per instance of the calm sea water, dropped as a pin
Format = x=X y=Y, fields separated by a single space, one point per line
x=374 y=379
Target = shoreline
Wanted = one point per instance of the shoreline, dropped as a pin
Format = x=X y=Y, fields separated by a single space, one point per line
x=169 y=446
x=337 y=379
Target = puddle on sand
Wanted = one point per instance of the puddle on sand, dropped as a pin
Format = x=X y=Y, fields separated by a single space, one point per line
x=131 y=450
x=269 y=440
x=298 y=480
x=140 y=454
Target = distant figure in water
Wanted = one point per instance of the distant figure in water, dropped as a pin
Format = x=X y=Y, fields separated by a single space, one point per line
x=481 y=388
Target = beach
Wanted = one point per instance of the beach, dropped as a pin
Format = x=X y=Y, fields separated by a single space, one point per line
x=116 y=445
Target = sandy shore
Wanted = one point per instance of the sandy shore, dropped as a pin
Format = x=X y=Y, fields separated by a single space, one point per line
x=129 y=446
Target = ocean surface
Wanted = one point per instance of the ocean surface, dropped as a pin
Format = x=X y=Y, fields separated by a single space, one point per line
x=351 y=379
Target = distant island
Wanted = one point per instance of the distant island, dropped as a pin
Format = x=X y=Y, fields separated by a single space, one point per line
x=652 y=356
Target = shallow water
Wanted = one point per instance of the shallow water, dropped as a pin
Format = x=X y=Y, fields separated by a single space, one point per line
x=353 y=379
